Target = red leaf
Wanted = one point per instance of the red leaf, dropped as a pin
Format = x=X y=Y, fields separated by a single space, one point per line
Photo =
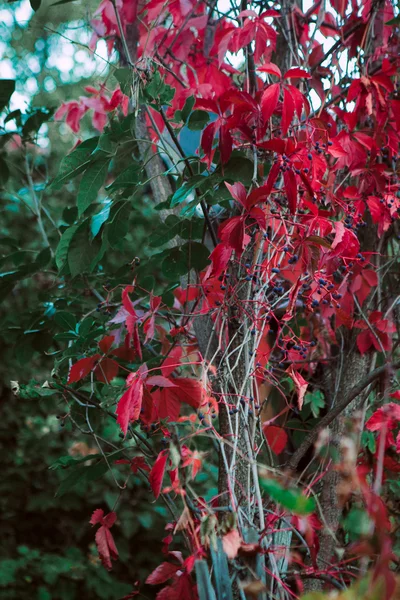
x=162 y=573
x=106 y=370
x=295 y=73
x=364 y=342
x=109 y=520
x=269 y=100
x=166 y=405
x=238 y=192
x=106 y=343
x=157 y=473
x=271 y=69
x=106 y=547
x=300 y=383
x=160 y=381
x=276 y=437
x=231 y=543
x=225 y=143
x=82 y=368
x=219 y=261
x=232 y=233
x=104 y=539
x=207 y=139
x=272 y=177
x=382 y=416
x=127 y=302
x=129 y=405
x=190 y=391
x=289 y=179
x=97 y=516
x=288 y=108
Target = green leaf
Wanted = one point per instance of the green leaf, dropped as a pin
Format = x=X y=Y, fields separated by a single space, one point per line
x=182 y=193
x=82 y=475
x=98 y=220
x=105 y=146
x=316 y=400
x=65 y=320
x=183 y=115
x=292 y=499
x=357 y=523
x=368 y=441
x=63 y=246
x=75 y=162
x=130 y=177
x=82 y=254
x=70 y=215
x=35 y=4
x=69 y=461
x=91 y=182
x=7 y=88
x=198 y=120
x=118 y=227
x=125 y=79
x=238 y=168
x=178 y=261
x=173 y=225
x=36 y=120
x=158 y=91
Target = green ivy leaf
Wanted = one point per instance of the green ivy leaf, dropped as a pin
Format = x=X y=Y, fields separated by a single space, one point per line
x=91 y=182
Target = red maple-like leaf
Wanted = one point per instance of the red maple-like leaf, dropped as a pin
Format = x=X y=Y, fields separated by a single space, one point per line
x=82 y=368
x=162 y=573
x=106 y=370
x=388 y=416
x=231 y=543
x=300 y=383
x=128 y=408
x=376 y=334
x=104 y=539
x=269 y=100
x=276 y=437
x=157 y=473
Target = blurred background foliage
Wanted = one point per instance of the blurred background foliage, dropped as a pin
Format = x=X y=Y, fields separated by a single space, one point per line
x=47 y=549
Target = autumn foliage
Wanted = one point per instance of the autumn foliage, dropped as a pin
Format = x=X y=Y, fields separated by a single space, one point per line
x=267 y=349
